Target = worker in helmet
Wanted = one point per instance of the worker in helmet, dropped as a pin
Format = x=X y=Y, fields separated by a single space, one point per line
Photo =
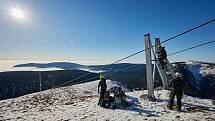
x=177 y=87
x=103 y=89
x=162 y=55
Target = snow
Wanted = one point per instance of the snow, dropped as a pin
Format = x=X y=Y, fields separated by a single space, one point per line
x=207 y=69
x=92 y=71
x=201 y=68
x=79 y=103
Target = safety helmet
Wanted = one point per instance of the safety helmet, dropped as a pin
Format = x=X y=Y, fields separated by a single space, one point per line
x=177 y=74
x=102 y=76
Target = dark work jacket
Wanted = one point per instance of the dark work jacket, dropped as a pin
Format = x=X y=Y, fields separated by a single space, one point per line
x=162 y=53
x=177 y=85
x=103 y=86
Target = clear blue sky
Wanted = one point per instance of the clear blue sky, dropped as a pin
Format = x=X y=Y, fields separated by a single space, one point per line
x=102 y=31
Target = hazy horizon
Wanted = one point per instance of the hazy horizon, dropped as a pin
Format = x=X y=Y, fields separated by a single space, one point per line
x=8 y=65
x=101 y=32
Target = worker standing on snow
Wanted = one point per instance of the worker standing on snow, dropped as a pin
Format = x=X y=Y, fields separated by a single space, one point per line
x=162 y=55
x=177 y=90
x=103 y=89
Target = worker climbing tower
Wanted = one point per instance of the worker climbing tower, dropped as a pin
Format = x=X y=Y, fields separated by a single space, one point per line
x=166 y=73
x=166 y=70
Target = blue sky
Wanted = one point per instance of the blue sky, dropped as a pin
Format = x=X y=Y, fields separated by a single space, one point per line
x=102 y=31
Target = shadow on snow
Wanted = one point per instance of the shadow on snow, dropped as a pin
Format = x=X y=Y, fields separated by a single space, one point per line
x=133 y=106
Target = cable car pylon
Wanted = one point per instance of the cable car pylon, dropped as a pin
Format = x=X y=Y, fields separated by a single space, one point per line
x=166 y=70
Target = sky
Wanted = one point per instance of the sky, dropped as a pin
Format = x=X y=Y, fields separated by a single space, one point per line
x=103 y=31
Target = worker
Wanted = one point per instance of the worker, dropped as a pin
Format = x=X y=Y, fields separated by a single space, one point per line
x=177 y=89
x=162 y=55
x=103 y=89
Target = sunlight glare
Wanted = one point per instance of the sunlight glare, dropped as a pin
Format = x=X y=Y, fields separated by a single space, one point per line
x=18 y=14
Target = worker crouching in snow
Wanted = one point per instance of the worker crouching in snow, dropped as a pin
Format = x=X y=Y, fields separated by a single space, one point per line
x=114 y=98
x=177 y=90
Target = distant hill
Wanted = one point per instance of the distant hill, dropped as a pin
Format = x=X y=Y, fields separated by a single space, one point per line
x=133 y=77
x=199 y=76
x=61 y=65
x=18 y=83
x=200 y=79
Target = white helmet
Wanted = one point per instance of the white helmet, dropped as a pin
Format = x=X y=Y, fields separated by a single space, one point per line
x=177 y=74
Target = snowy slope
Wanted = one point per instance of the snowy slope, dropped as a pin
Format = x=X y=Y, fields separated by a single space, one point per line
x=207 y=69
x=203 y=68
x=79 y=103
x=200 y=77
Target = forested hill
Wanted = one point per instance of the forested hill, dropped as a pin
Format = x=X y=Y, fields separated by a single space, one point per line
x=18 y=83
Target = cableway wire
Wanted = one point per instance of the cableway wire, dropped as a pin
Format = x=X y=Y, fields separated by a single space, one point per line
x=108 y=74
x=180 y=51
x=171 y=38
x=196 y=46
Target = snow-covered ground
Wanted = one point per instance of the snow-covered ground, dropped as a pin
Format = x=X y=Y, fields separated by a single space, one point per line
x=79 y=103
